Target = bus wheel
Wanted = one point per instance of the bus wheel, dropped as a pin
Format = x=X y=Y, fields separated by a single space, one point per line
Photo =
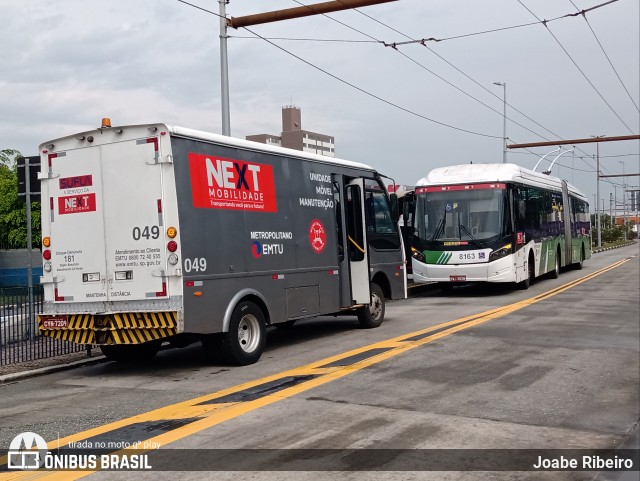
x=130 y=352
x=580 y=264
x=247 y=335
x=524 y=285
x=372 y=315
x=556 y=271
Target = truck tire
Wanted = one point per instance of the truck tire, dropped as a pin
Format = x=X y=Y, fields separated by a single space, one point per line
x=245 y=341
x=130 y=353
x=372 y=315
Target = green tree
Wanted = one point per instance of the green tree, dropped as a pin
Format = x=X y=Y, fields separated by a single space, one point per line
x=13 y=210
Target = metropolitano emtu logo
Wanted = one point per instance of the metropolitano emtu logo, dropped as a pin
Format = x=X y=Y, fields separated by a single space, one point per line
x=27 y=451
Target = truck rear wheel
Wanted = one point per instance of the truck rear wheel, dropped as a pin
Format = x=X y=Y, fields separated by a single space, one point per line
x=131 y=352
x=372 y=315
x=245 y=341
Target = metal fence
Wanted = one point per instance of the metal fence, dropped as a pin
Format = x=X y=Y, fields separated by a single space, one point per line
x=19 y=337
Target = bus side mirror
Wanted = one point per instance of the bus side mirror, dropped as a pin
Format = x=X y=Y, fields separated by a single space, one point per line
x=393 y=199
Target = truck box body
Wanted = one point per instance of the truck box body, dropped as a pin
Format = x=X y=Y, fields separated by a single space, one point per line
x=156 y=230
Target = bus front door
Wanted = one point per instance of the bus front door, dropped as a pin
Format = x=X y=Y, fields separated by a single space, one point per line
x=356 y=242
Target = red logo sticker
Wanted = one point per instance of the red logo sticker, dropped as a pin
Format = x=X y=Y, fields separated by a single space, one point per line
x=317 y=236
x=75 y=182
x=74 y=204
x=218 y=183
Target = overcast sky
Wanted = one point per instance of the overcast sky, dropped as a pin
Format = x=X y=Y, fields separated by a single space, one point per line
x=66 y=64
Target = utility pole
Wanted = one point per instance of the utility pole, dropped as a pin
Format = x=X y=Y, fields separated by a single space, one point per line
x=224 y=71
x=598 y=188
x=624 y=202
x=610 y=206
x=268 y=17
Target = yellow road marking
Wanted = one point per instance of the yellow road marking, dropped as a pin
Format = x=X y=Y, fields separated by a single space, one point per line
x=213 y=414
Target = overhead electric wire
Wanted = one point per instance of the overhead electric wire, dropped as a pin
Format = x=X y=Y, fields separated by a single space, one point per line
x=388 y=102
x=377 y=97
x=200 y=8
x=578 y=67
x=382 y=99
x=477 y=83
x=606 y=56
x=334 y=40
x=463 y=73
x=427 y=69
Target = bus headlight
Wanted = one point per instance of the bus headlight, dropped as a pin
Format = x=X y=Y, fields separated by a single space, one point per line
x=417 y=255
x=499 y=253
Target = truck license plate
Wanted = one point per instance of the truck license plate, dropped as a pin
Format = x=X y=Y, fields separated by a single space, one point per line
x=457 y=278
x=55 y=322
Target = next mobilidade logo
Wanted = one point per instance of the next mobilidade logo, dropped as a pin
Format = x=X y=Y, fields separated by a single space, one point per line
x=219 y=183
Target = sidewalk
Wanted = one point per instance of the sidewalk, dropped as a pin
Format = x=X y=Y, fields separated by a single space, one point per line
x=39 y=367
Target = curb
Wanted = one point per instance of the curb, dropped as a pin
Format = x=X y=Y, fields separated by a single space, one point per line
x=602 y=249
x=17 y=376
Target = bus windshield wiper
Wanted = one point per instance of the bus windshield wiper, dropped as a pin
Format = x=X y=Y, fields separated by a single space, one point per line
x=440 y=228
x=466 y=231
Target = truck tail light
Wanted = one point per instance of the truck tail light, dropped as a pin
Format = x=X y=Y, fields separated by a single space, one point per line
x=172 y=246
x=46 y=254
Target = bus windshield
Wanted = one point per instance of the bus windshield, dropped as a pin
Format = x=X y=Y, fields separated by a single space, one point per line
x=474 y=215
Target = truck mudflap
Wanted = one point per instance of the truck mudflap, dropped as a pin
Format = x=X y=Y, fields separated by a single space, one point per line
x=105 y=329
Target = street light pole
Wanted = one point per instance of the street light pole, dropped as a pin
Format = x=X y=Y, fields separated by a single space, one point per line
x=504 y=120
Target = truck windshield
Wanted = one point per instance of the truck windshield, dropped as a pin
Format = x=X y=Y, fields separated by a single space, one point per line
x=460 y=215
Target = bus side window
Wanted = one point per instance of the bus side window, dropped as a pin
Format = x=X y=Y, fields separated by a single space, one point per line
x=355 y=238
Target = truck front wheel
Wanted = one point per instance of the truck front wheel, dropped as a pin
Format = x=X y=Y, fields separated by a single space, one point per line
x=244 y=343
x=372 y=315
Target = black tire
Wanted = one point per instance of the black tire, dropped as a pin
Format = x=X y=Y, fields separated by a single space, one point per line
x=446 y=287
x=555 y=273
x=372 y=315
x=130 y=353
x=247 y=336
x=580 y=264
x=531 y=273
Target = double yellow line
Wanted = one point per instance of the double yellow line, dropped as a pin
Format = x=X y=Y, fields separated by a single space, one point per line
x=209 y=410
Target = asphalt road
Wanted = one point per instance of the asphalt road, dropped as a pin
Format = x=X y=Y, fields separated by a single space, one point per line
x=481 y=368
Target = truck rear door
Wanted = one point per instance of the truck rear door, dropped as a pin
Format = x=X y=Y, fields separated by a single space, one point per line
x=134 y=251
x=107 y=222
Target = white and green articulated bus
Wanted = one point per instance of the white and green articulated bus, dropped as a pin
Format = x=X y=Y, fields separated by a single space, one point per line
x=496 y=223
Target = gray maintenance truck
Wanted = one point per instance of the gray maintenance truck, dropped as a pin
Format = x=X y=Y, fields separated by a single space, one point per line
x=155 y=233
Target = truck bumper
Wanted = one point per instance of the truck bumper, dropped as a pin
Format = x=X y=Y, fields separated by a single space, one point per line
x=105 y=329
